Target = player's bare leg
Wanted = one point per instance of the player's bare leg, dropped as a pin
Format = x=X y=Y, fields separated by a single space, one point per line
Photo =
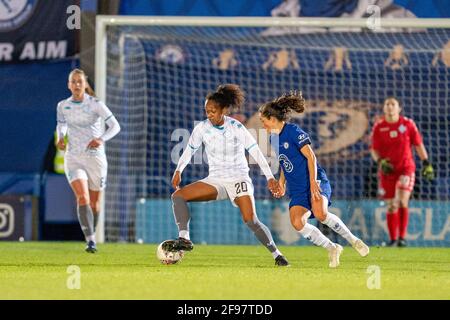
x=197 y=191
x=403 y=214
x=320 y=209
x=299 y=220
x=85 y=215
x=261 y=231
x=95 y=197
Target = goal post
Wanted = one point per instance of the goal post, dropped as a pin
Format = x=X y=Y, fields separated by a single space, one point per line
x=154 y=72
x=103 y=21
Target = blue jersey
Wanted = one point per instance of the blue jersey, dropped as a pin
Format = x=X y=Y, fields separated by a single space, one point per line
x=294 y=164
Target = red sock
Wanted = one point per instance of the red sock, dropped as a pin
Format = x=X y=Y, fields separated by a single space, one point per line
x=392 y=222
x=403 y=221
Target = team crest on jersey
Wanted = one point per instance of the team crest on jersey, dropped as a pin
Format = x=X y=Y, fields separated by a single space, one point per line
x=286 y=145
x=14 y=13
x=402 y=128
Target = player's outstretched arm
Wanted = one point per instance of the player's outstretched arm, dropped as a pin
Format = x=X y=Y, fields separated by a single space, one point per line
x=253 y=149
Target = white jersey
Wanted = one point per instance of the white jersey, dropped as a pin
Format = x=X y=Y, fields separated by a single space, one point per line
x=84 y=123
x=225 y=148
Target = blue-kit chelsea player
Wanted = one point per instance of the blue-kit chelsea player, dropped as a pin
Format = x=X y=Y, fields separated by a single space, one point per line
x=307 y=184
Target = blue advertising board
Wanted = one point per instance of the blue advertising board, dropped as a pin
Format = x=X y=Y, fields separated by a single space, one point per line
x=220 y=223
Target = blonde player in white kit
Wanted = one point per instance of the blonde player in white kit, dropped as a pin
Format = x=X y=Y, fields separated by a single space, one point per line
x=225 y=141
x=85 y=165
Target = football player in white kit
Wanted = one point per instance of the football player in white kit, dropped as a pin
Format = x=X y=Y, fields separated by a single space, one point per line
x=80 y=118
x=225 y=140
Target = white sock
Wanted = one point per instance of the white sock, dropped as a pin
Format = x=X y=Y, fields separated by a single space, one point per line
x=184 y=234
x=276 y=253
x=339 y=227
x=314 y=235
x=91 y=238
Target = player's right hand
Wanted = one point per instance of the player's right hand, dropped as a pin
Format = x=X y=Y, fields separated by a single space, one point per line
x=315 y=190
x=61 y=144
x=385 y=166
x=176 y=180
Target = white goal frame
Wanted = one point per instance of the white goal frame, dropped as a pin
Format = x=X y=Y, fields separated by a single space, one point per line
x=103 y=21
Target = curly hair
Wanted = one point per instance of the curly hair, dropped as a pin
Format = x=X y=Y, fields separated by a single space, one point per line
x=282 y=106
x=228 y=96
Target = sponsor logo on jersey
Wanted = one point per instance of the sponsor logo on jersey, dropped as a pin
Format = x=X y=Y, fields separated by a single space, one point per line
x=287 y=164
x=393 y=134
x=14 y=13
x=302 y=138
x=286 y=145
x=384 y=129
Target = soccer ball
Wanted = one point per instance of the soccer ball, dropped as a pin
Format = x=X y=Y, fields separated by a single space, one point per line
x=168 y=257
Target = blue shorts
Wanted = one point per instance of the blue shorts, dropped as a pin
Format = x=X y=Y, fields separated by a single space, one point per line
x=304 y=198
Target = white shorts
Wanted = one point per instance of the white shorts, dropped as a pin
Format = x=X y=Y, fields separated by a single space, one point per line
x=232 y=189
x=90 y=168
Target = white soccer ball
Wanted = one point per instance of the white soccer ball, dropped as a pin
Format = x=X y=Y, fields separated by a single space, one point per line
x=168 y=257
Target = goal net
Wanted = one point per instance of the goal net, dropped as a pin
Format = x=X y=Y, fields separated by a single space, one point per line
x=154 y=74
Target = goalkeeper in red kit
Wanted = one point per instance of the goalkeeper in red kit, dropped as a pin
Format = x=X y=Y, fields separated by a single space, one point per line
x=392 y=139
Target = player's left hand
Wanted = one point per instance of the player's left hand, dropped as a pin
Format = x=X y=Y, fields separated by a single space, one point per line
x=427 y=171
x=315 y=191
x=273 y=186
x=95 y=143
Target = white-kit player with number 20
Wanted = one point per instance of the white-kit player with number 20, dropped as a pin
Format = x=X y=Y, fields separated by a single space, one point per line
x=225 y=140
x=81 y=117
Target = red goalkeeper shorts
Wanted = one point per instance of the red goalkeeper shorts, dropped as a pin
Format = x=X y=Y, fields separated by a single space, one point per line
x=392 y=182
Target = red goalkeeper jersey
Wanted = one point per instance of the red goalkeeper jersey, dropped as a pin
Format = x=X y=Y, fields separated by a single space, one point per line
x=394 y=141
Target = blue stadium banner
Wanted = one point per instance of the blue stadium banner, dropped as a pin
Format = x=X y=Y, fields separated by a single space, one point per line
x=35 y=30
x=219 y=223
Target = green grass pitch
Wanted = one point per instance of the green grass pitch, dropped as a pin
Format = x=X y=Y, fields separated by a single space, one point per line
x=39 y=270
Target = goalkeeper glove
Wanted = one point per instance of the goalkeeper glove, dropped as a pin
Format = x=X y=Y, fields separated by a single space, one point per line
x=385 y=166
x=427 y=170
